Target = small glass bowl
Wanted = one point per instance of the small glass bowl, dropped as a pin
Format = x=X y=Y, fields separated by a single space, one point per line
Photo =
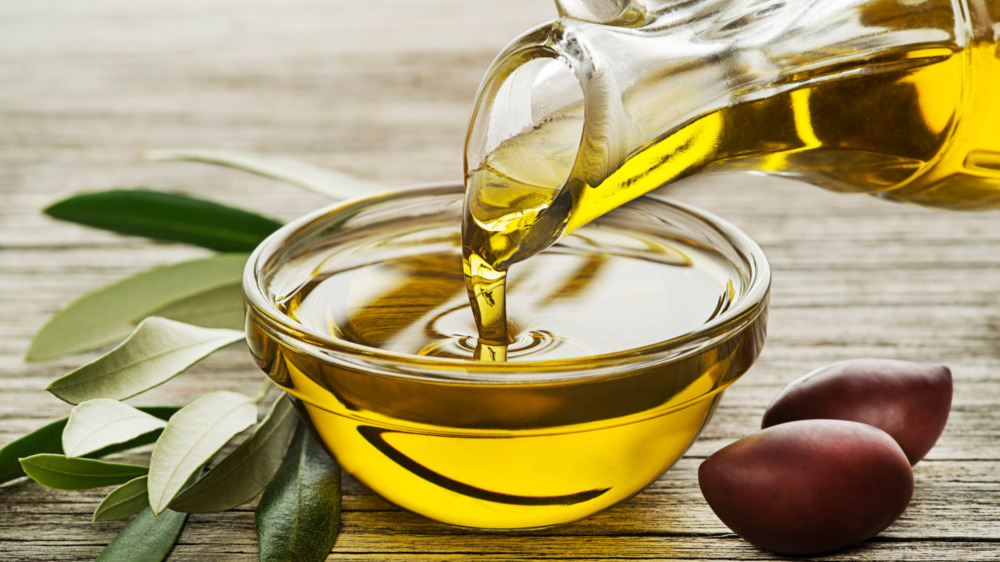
x=522 y=444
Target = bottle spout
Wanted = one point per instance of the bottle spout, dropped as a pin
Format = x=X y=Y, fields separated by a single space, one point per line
x=548 y=115
x=607 y=12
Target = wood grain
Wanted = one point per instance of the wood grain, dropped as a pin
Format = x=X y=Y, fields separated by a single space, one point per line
x=383 y=90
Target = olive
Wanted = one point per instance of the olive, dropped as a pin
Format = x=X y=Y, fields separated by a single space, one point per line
x=909 y=401
x=810 y=486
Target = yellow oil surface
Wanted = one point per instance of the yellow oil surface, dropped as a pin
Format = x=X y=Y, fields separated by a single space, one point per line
x=599 y=292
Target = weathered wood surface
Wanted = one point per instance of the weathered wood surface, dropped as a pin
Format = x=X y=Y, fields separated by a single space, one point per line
x=383 y=90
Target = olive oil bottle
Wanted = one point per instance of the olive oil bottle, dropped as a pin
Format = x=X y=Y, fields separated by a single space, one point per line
x=891 y=98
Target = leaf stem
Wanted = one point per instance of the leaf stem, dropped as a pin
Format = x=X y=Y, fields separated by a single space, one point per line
x=262 y=392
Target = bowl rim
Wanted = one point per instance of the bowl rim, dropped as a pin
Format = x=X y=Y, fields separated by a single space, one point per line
x=744 y=312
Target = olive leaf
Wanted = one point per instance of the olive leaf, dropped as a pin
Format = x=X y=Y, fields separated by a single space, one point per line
x=147 y=538
x=160 y=412
x=125 y=500
x=108 y=314
x=101 y=422
x=221 y=307
x=158 y=350
x=247 y=470
x=192 y=437
x=48 y=439
x=64 y=473
x=331 y=183
x=168 y=216
x=298 y=517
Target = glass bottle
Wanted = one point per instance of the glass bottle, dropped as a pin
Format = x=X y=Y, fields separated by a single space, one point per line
x=897 y=98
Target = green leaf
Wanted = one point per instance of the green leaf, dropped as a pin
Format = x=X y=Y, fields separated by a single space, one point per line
x=247 y=470
x=299 y=514
x=157 y=351
x=146 y=538
x=124 y=501
x=218 y=308
x=161 y=412
x=333 y=184
x=48 y=439
x=98 y=423
x=175 y=217
x=192 y=437
x=107 y=315
x=63 y=473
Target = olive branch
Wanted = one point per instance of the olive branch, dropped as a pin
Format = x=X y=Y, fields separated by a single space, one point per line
x=164 y=320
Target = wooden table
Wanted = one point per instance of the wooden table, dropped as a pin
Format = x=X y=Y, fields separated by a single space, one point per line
x=383 y=90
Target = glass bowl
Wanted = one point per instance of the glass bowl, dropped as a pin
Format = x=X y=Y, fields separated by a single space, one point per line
x=513 y=445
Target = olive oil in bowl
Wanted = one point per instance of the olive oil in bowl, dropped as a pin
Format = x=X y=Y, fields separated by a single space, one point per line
x=622 y=338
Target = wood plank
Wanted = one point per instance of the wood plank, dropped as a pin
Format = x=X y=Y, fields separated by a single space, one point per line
x=384 y=90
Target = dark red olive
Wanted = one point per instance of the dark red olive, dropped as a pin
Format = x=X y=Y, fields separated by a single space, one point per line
x=809 y=486
x=909 y=401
